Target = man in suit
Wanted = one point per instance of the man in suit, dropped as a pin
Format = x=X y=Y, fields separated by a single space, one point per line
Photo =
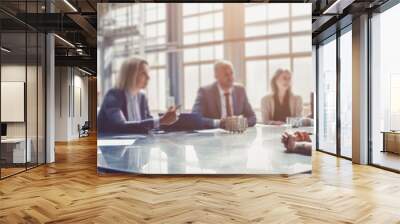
x=223 y=99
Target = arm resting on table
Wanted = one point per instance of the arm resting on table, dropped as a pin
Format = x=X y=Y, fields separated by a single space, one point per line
x=113 y=119
x=199 y=107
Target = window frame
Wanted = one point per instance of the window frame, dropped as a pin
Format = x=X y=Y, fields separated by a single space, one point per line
x=334 y=37
x=380 y=9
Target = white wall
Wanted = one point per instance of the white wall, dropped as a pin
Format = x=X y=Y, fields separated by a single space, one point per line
x=70 y=83
x=34 y=125
x=12 y=73
x=79 y=117
x=61 y=103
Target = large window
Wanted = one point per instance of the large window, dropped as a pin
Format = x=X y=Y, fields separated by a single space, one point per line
x=258 y=39
x=346 y=94
x=202 y=36
x=385 y=84
x=142 y=32
x=335 y=108
x=327 y=96
x=277 y=40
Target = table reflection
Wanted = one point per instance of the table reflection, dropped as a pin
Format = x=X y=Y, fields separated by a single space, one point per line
x=256 y=151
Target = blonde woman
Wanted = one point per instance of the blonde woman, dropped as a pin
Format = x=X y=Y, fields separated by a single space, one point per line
x=282 y=103
x=125 y=108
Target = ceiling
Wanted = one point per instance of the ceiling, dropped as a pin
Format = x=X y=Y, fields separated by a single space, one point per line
x=74 y=23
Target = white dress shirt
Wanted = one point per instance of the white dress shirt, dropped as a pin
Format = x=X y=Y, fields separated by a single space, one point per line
x=133 y=109
x=223 y=104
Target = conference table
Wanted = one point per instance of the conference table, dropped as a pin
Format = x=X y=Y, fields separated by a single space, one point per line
x=258 y=150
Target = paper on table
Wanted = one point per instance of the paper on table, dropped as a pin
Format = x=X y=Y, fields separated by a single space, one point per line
x=216 y=130
x=115 y=142
x=127 y=136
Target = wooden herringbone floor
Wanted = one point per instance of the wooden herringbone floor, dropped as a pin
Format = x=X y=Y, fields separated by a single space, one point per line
x=70 y=191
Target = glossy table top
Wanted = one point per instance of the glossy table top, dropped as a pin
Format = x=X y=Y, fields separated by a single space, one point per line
x=256 y=151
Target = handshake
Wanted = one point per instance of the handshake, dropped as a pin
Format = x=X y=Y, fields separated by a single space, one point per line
x=234 y=124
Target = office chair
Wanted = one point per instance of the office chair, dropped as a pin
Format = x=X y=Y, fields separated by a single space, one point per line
x=84 y=130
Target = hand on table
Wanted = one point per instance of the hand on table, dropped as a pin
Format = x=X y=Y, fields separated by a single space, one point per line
x=169 y=117
x=299 y=142
x=289 y=141
x=234 y=124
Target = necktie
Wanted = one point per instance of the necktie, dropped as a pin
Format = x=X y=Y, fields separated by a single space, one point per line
x=228 y=105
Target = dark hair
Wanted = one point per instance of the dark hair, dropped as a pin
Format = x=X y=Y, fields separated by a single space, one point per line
x=274 y=86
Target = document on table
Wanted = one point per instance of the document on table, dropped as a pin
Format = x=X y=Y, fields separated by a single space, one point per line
x=133 y=136
x=115 y=142
x=215 y=130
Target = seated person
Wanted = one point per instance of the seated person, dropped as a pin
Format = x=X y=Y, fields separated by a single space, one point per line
x=223 y=99
x=125 y=109
x=299 y=142
x=282 y=103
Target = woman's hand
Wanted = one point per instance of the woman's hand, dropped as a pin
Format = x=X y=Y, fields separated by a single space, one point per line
x=169 y=117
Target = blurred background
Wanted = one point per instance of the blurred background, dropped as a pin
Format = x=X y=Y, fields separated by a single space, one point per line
x=181 y=41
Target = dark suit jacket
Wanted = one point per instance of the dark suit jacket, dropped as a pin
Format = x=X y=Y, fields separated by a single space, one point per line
x=208 y=104
x=112 y=117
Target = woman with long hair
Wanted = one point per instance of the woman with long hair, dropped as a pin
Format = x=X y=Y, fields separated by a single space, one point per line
x=125 y=108
x=281 y=103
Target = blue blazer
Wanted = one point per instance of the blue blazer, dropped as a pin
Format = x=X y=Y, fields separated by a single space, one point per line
x=112 y=116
